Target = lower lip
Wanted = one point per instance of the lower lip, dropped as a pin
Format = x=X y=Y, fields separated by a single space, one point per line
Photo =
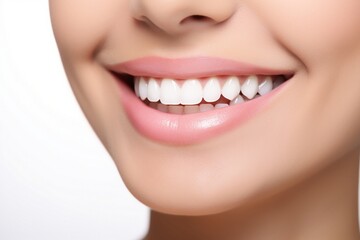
x=191 y=128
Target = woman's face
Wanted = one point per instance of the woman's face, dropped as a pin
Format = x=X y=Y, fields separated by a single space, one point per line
x=175 y=151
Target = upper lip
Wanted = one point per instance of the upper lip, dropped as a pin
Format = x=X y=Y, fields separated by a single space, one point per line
x=194 y=67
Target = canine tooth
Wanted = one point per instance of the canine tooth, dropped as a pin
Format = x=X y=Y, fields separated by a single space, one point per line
x=191 y=109
x=191 y=92
x=221 y=105
x=231 y=88
x=153 y=90
x=143 y=88
x=136 y=86
x=169 y=92
x=250 y=87
x=266 y=86
x=212 y=90
x=178 y=109
x=239 y=99
x=206 y=107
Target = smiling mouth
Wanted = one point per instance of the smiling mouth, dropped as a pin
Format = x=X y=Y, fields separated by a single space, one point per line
x=191 y=96
x=200 y=90
x=187 y=100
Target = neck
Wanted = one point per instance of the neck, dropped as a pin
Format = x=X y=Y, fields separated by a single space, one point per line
x=325 y=207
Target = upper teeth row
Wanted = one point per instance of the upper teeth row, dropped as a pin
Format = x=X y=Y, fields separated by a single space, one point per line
x=193 y=91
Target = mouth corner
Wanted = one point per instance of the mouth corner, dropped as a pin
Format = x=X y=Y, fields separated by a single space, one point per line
x=127 y=79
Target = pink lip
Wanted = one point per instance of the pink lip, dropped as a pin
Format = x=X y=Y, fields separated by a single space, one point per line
x=185 y=68
x=191 y=128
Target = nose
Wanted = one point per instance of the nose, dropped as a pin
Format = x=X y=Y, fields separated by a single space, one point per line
x=179 y=16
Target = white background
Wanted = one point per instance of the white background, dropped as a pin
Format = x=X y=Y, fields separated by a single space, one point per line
x=56 y=179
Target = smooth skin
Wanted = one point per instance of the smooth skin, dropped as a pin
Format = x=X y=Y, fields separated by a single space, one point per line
x=290 y=172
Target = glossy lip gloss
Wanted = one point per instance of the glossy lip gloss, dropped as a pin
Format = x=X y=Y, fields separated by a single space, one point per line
x=190 y=128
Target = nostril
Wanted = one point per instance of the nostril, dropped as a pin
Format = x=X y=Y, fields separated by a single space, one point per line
x=196 y=18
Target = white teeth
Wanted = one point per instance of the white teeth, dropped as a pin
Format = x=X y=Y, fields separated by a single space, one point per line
x=191 y=92
x=206 y=107
x=191 y=109
x=239 y=99
x=185 y=96
x=266 y=86
x=162 y=107
x=250 y=87
x=153 y=90
x=143 y=88
x=178 y=109
x=221 y=105
x=169 y=92
x=212 y=90
x=153 y=104
x=137 y=80
x=231 y=88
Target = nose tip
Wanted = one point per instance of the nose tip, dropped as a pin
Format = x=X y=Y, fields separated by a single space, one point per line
x=179 y=16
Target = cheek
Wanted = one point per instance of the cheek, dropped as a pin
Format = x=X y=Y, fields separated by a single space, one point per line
x=314 y=30
x=80 y=26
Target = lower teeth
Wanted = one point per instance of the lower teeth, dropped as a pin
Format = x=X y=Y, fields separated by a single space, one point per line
x=191 y=109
